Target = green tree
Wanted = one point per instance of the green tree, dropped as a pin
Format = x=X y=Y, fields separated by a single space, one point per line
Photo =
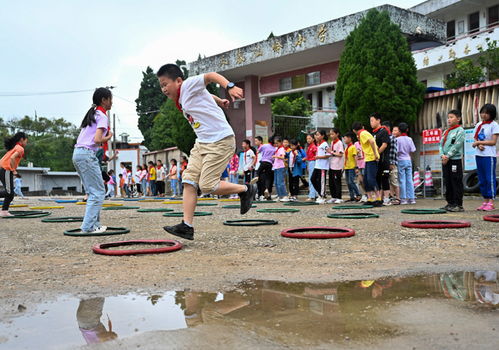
x=148 y=103
x=293 y=104
x=489 y=59
x=377 y=74
x=465 y=73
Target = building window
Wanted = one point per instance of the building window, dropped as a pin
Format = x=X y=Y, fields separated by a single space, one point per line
x=313 y=78
x=285 y=84
x=474 y=22
x=451 y=30
x=460 y=27
x=298 y=81
x=493 y=16
x=319 y=100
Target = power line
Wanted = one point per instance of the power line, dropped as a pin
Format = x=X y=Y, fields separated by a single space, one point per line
x=20 y=94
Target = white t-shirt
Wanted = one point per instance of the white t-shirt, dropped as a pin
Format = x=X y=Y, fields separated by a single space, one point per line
x=485 y=134
x=160 y=174
x=258 y=158
x=201 y=111
x=321 y=151
x=249 y=158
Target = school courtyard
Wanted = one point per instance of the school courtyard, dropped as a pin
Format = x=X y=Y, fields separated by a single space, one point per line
x=225 y=268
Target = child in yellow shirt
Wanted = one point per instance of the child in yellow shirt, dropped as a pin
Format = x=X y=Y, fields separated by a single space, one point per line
x=351 y=165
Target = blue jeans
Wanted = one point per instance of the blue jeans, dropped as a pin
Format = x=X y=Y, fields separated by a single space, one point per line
x=486 y=171
x=87 y=166
x=312 y=192
x=234 y=178
x=352 y=186
x=371 y=170
x=279 y=182
x=405 y=179
x=173 y=185
x=143 y=186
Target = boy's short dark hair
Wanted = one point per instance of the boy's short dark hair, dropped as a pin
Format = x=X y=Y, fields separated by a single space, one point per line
x=120 y=175
x=403 y=127
x=375 y=115
x=171 y=71
x=357 y=126
x=259 y=138
x=387 y=123
x=351 y=135
x=457 y=113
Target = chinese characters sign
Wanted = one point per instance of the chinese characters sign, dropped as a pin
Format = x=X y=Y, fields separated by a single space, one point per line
x=432 y=136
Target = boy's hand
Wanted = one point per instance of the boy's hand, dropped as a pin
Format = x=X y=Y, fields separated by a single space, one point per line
x=236 y=93
x=224 y=103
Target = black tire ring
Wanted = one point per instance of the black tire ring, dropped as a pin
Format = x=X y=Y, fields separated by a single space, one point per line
x=278 y=210
x=353 y=206
x=249 y=222
x=23 y=214
x=180 y=214
x=120 y=208
x=299 y=204
x=64 y=219
x=470 y=182
x=109 y=232
x=423 y=211
x=263 y=202
x=155 y=210
x=206 y=204
x=353 y=216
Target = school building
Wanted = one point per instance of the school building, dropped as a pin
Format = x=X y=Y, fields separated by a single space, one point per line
x=307 y=61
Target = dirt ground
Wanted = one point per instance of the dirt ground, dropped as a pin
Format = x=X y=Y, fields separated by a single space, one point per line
x=39 y=262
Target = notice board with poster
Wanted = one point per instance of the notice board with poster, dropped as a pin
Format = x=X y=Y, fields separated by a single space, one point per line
x=261 y=129
x=430 y=154
x=469 y=151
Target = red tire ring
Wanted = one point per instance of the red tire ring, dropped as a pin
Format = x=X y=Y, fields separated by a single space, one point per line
x=493 y=218
x=334 y=232
x=435 y=224
x=171 y=247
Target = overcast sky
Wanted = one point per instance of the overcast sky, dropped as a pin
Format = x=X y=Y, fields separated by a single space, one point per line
x=49 y=45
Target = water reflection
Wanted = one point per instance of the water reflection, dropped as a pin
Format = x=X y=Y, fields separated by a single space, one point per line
x=289 y=313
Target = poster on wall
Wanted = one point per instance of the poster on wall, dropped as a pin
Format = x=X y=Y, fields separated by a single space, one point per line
x=430 y=156
x=469 y=151
x=261 y=129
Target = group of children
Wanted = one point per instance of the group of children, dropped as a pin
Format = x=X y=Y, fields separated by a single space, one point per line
x=381 y=161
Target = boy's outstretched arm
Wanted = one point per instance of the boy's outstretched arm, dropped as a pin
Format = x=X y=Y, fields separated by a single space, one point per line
x=222 y=103
x=216 y=78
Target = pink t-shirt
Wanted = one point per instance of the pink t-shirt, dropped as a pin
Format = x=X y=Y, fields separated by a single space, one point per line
x=87 y=134
x=361 y=163
x=335 y=162
x=279 y=163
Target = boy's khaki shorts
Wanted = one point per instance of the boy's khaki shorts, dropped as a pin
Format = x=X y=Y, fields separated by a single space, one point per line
x=207 y=162
x=394 y=176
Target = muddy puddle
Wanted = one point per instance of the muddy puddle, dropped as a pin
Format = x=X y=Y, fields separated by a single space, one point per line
x=287 y=314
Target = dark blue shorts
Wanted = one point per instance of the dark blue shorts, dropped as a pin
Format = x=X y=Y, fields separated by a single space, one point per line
x=370 y=183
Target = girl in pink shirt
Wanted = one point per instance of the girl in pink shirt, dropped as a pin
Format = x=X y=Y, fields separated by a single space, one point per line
x=336 y=163
x=279 y=170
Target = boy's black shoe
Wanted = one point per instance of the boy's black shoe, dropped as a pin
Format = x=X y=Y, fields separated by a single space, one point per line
x=247 y=198
x=447 y=207
x=181 y=230
x=456 y=209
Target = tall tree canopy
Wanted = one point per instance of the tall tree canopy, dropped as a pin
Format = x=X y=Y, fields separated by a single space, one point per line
x=148 y=103
x=377 y=74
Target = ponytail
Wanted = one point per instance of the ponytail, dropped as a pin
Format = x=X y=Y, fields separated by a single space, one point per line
x=99 y=95
x=10 y=142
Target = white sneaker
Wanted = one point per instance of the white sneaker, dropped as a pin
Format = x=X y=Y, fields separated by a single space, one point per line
x=293 y=199
x=266 y=194
x=387 y=202
x=331 y=201
x=101 y=229
x=338 y=201
x=5 y=213
x=320 y=200
x=363 y=199
x=284 y=199
x=261 y=198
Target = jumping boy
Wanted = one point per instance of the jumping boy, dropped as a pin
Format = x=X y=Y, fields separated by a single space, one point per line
x=214 y=145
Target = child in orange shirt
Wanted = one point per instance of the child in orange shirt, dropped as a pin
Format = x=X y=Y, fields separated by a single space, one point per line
x=8 y=165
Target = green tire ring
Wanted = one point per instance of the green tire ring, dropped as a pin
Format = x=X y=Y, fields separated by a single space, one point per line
x=363 y=206
x=23 y=214
x=120 y=208
x=264 y=202
x=235 y=206
x=423 y=211
x=64 y=219
x=206 y=204
x=353 y=216
x=299 y=204
x=180 y=214
x=249 y=222
x=109 y=232
x=155 y=210
x=278 y=210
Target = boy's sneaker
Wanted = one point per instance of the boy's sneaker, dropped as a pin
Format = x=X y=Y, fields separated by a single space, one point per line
x=261 y=198
x=338 y=201
x=447 y=207
x=363 y=199
x=488 y=207
x=455 y=209
x=412 y=201
x=320 y=200
x=247 y=198
x=387 y=202
x=284 y=199
x=181 y=230
x=100 y=229
x=331 y=201
x=404 y=202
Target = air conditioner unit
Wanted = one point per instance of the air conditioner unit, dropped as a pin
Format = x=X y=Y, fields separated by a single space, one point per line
x=263 y=100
